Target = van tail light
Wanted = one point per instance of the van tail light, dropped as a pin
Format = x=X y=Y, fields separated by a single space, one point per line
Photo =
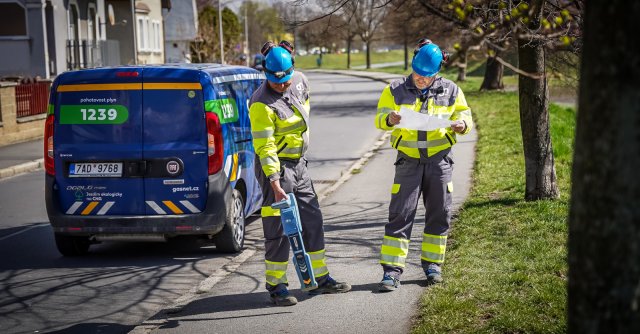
x=49 y=165
x=214 y=142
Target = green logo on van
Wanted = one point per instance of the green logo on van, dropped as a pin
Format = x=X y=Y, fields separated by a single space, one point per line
x=226 y=109
x=93 y=114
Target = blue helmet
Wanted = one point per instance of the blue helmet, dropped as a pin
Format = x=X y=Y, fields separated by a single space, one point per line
x=427 y=60
x=278 y=65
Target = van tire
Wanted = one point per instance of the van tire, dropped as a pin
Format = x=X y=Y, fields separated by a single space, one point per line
x=231 y=238
x=71 y=245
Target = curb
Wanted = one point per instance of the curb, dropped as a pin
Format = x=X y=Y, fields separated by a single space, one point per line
x=22 y=168
x=347 y=174
x=354 y=73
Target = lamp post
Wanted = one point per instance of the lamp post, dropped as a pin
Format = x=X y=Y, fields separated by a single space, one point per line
x=246 y=35
x=220 y=31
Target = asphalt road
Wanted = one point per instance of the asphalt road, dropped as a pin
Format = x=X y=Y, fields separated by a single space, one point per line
x=119 y=285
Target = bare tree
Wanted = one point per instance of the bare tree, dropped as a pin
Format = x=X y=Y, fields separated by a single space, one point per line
x=604 y=220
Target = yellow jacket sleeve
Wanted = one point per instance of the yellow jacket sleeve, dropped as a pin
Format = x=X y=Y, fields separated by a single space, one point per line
x=462 y=112
x=262 y=130
x=386 y=104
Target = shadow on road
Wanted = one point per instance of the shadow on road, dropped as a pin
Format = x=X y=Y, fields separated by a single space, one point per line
x=93 y=328
x=117 y=284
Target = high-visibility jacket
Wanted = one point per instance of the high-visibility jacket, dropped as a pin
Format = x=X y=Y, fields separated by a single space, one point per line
x=443 y=100
x=279 y=124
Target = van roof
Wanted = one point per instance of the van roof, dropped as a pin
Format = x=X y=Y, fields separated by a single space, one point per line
x=217 y=73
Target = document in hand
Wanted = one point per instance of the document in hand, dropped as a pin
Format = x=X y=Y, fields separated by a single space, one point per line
x=417 y=121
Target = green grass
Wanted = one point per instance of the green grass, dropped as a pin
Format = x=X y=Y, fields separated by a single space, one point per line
x=339 y=61
x=506 y=264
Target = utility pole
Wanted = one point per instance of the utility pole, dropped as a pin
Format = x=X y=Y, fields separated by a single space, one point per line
x=220 y=31
x=246 y=35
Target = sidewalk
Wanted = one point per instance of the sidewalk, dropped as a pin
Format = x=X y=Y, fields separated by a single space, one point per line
x=355 y=214
x=21 y=158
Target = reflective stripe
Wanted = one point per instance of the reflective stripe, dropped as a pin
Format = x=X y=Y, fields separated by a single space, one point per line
x=420 y=144
x=433 y=247
x=318 y=263
x=237 y=77
x=450 y=187
x=269 y=160
x=291 y=150
x=395 y=188
x=105 y=208
x=380 y=117
x=190 y=206
x=295 y=126
x=156 y=208
x=394 y=251
x=275 y=272
x=440 y=240
x=396 y=261
x=89 y=208
x=268 y=211
x=432 y=257
x=171 y=85
x=96 y=87
x=73 y=208
x=173 y=207
x=262 y=134
x=465 y=112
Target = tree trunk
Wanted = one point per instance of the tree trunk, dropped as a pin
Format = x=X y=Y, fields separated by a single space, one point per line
x=534 y=123
x=349 y=39
x=406 y=53
x=604 y=219
x=368 y=54
x=462 y=66
x=493 y=74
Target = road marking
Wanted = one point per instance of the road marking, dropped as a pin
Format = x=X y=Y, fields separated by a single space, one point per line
x=383 y=138
x=22 y=231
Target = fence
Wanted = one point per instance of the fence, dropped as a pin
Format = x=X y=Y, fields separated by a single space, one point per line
x=83 y=54
x=32 y=98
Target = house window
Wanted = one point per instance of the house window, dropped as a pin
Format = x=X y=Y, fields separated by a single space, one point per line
x=144 y=42
x=13 y=18
x=157 y=37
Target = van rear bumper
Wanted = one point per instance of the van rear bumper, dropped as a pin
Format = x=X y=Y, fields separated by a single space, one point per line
x=208 y=222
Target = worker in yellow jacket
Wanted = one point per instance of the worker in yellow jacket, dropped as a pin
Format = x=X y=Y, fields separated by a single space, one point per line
x=279 y=113
x=423 y=164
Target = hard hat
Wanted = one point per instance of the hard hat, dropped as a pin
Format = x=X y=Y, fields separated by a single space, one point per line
x=278 y=65
x=427 y=60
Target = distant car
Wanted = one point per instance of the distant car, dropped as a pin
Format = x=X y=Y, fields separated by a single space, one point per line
x=149 y=153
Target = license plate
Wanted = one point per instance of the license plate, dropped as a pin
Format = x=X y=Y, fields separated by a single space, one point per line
x=96 y=169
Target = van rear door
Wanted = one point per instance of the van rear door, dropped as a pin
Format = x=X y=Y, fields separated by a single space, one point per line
x=98 y=142
x=174 y=141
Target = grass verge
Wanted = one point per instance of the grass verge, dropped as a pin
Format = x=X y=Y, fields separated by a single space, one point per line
x=506 y=264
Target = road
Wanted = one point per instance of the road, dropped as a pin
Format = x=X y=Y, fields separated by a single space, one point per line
x=121 y=284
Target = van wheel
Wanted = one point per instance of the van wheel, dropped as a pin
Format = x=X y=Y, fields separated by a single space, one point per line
x=231 y=238
x=72 y=246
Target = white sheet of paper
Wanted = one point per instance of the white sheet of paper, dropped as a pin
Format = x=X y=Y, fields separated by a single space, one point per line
x=423 y=122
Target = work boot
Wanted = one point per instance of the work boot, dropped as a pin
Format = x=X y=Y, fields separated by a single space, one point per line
x=434 y=274
x=331 y=286
x=283 y=298
x=388 y=283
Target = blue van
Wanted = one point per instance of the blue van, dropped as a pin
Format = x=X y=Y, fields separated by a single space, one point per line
x=150 y=153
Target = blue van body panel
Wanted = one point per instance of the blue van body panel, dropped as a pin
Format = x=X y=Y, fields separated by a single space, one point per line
x=174 y=131
x=76 y=142
x=162 y=145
